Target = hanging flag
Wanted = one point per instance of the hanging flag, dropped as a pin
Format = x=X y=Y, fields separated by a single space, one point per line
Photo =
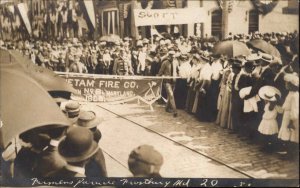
x=23 y=12
x=91 y=12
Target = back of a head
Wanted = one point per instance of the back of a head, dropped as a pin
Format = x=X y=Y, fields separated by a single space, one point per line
x=145 y=161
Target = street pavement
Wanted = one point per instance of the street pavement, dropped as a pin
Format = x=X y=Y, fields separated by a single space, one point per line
x=186 y=144
x=121 y=136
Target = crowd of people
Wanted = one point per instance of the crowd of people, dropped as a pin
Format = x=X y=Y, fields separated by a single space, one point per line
x=60 y=151
x=254 y=96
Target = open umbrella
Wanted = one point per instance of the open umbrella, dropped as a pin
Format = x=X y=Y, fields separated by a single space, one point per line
x=231 y=49
x=264 y=46
x=47 y=78
x=24 y=104
x=111 y=38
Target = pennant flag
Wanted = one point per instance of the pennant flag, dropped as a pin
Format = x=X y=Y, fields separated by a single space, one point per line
x=23 y=11
x=91 y=12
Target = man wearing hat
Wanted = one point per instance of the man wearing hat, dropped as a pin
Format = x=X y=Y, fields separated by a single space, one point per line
x=145 y=161
x=96 y=167
x=76 y=148
x=77 y=66
x=121 y=65
x=71 y=109
x=168 y=68
x=49 y=160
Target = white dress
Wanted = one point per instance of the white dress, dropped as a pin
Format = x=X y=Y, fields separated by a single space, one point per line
x=290 y=117
x=268 y=124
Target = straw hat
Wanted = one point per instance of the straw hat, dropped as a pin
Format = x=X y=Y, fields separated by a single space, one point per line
x=88 y=119
x=268 y=93
x=292 y=78
x=245 y=91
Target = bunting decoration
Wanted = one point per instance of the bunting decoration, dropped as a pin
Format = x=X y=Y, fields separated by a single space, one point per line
x=264 y=8
x=23 y=12
x=229 y=6
x=90 y=11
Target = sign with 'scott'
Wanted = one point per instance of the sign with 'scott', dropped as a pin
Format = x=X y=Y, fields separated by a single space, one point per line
x=144 y=17
x=102 y=89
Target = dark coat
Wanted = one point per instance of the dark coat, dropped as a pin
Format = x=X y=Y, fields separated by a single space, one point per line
x=96 y=167
x=48 y=161
x=65 y=173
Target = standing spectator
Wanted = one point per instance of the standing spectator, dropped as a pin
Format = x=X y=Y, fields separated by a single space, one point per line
x=268 y=126
x=77 y=148
x=181 y=87
x=289 y=131
x=167 y=69
x=77 y=66
x=121 y=65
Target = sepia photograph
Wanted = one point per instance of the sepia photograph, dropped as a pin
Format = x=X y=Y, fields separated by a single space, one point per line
x=149 y=93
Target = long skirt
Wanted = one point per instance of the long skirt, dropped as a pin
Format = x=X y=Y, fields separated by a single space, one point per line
x=224 y=112
x=180 y=93
x=204 y=108
x=190 y=99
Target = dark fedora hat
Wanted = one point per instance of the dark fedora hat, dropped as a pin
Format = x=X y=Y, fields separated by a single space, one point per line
x=88 y=119
x=78 y=145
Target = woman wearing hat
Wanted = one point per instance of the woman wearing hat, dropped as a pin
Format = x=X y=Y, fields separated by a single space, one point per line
x=195 y=70
x=268 y=126
x=289 y=130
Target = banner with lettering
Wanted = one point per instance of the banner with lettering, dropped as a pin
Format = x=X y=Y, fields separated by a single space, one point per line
x=144 y=17
x=96 y=88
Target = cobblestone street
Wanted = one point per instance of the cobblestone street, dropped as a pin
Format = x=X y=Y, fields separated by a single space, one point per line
x=208 y=140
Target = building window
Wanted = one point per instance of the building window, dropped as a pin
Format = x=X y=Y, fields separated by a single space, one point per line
x=292 y=8
x=216 y=23
x=110 y=22
x=253 y=21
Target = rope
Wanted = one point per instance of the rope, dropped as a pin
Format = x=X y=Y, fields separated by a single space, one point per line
x=134 y=77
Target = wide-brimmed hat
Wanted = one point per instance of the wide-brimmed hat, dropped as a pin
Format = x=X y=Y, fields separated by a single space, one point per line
x=269 y=93
x=78 y=145
x=196 y=56
x=88 y=119
x=253 y=57
x=145 y=41
x=146 y=154
x=245 y=91
x=267 y=57
x=292 y=78
x=139 y=43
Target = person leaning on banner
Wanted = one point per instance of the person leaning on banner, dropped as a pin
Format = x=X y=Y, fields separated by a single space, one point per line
x=76 y=148
x=168 y=68
x=96 y=167
x=145 y=161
